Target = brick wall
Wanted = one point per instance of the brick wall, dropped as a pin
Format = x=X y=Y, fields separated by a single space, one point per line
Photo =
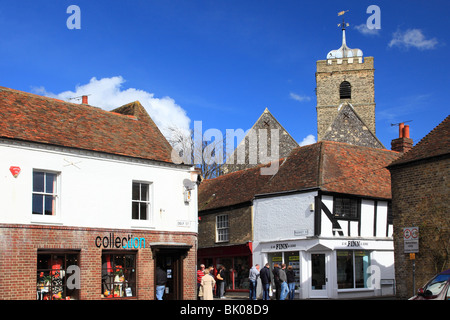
x=420 y=197
x=19 y=245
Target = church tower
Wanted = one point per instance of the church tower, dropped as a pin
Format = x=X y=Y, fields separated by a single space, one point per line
x=344 y=78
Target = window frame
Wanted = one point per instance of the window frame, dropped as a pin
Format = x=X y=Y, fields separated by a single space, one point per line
x=353 y=216
x=147 y=203
x=345 y=90
x=41 y=282
x=354 y=279
x=222 y=228
x=133 y=284
x=55 y=194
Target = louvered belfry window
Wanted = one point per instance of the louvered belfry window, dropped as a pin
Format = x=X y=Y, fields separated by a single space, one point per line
x=345 y=90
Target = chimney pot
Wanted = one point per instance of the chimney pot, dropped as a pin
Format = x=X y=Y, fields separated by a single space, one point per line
x=84 y=99
x=406 y=131
x=400 y=130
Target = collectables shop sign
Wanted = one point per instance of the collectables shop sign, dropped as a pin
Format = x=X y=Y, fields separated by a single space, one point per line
x=112 y=241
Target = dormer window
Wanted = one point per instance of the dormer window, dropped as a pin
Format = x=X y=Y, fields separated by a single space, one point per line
x=345 y=90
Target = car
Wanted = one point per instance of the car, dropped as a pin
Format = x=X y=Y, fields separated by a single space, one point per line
x=438 y=288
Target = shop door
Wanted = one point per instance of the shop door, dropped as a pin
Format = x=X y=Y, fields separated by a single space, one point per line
x=319 y=277
x=171 y=262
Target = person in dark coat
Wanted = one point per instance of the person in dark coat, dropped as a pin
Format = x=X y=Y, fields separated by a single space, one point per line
x=265 y=277
x=276 y=279
x=161 y=279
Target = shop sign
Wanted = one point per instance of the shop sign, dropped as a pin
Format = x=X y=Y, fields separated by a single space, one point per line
x=114 y=242
x=354 y=243
x=283 y=246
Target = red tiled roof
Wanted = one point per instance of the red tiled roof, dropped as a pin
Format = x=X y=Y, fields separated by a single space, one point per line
x=35 y=118
x=435 y=143
x=330 y=166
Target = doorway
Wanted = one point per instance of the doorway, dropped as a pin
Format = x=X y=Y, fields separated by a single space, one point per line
x=319 y=277
x=171 y=262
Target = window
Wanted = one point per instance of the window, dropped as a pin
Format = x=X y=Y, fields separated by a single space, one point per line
x=345 y=90
x=54 y=275
x=222 y=228
x=140 y=201
x=352 y=269
x=45 y=193
x=345 y=208
x=118 y=275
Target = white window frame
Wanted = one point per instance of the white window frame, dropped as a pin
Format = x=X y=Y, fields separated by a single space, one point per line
x=148 y=202
x=222 y=228
x=55 y=217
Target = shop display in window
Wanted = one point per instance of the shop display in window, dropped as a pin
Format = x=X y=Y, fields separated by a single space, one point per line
x=118 y=275
x=52 y=276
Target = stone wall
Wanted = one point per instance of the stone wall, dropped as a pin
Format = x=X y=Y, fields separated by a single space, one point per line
x=329 y=75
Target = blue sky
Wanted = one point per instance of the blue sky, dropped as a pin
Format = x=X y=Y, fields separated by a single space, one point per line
x=224 y=62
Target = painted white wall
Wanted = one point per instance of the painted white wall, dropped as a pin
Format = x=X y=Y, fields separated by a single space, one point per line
x=95 y=189
x=284 y=217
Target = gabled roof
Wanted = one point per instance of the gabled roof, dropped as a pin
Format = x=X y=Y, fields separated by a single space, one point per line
x=326 y=165
x=435 y=143
x=348 y=127
x=267 y=122
x=30 y=117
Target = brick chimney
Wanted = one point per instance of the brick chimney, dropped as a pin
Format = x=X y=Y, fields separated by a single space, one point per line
x=84 y=99
x=403 y=143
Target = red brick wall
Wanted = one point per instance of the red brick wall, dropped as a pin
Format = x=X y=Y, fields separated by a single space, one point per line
x=18 y=258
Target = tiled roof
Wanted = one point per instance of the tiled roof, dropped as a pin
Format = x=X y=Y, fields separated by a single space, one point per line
x=330 y=166
x=436 y=143
x=129 y=131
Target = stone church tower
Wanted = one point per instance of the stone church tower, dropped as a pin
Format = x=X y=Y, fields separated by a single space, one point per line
x=345 y=78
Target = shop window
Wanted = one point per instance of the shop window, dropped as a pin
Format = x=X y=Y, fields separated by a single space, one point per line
x=352 y=269
x=222 y=228
x=45 y=193
x=345 y=208
x=118 y=275
x=56 y=275
x=140 y=201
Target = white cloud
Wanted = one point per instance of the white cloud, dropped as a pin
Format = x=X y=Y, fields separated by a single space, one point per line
x=412 y=38
x=107 y=93
x=362 y=28
x=299 y=97
x=309 y=139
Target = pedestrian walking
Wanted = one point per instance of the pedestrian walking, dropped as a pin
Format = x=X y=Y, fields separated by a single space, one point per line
x=276 y=279
x=290 y=275
x=221 y=282
x=200 y=274
x=253 y=278
x=283 y=284
x=265 y=281
x=161 y=279
x=207 y=286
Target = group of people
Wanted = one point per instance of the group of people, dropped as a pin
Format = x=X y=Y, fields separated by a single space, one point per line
x=284 y=281
x=207 y=282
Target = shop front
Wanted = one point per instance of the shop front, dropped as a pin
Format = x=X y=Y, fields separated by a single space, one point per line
x=333 y=268
x=236 y=259
x=65 y=263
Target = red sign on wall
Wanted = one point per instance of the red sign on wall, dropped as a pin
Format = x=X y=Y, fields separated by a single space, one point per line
x=15 y=171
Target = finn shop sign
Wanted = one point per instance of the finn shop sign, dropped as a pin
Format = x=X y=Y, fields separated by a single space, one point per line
x=113 y=242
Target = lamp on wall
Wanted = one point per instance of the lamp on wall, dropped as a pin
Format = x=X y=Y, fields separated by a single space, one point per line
x=190 y=184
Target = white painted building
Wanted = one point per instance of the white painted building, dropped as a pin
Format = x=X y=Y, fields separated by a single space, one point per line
x=93 y=189
x=333 y=226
